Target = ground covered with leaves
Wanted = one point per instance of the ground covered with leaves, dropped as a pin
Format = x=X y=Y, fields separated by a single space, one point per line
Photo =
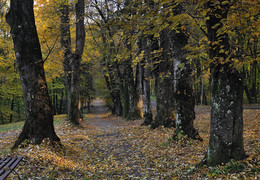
x=108 y=147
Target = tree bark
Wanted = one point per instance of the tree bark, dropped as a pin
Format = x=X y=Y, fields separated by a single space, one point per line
x=139 y=88
x=183 y=92
x=226 y=127
x=39 y=114
x=72 y=60
x=125 y=95
x=114 y=91
x=164 y=86
x=133 y=112
x=145 y=65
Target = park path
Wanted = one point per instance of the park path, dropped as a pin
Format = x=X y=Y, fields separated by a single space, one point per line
x=111 y=145
x=100 y=118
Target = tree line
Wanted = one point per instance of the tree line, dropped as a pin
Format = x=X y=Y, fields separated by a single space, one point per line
x=168 y=47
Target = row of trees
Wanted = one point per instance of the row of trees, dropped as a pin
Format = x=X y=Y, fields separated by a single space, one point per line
x=172 y=42
x=158 y=39
x=49 y=34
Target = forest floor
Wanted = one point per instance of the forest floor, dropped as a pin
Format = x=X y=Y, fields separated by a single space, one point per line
x=108 y=147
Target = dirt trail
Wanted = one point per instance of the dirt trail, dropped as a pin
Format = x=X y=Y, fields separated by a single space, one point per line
x=111 y=144
x=102 y=119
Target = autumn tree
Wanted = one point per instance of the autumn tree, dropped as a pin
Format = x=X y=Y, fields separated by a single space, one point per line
x=72 y=60
x=99 y=18
x=39 y=115
x=172 y=70
x=226 y=131
x=131 y=78
x=48 y=20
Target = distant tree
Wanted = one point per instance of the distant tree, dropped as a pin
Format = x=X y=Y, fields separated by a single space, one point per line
x=39 y=114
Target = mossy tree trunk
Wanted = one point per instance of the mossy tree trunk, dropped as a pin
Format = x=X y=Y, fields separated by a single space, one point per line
x=39 y=113
x=226 y=127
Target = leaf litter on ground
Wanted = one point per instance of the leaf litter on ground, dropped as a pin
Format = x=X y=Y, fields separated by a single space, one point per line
x=108 y=147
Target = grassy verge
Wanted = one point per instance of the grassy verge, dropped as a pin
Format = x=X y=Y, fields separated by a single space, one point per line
x=18 y=125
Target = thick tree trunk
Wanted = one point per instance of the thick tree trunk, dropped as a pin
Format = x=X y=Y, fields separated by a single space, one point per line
x=39 y=114
x=226 y=128
x=164 y=103
x=164 y=86
x=183 y=93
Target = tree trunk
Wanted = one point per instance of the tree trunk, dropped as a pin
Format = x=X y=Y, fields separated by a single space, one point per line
x=183 y=93
x=72 y=61
x=133 y=97
x=226 y=127
x=254 y=82
x=61 y=102
x=125 y=95
x=164 y=103
x=2 y=117
x=147 y=109
x=139 y=80
x=18 y=110
x=164 y=86
x=145 y=65
x=249 y=99
x=39 y=114
x=116 y=108
x=12 y=108
x=139 y=89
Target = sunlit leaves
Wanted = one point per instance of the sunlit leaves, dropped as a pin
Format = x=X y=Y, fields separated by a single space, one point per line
x=48 y=27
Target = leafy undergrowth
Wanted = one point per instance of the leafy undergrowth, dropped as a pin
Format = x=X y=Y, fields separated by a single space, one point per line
x=107 y=147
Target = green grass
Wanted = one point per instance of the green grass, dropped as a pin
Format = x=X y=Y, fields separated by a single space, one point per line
x=153 y=98
x=18 y=125
x=11 y=126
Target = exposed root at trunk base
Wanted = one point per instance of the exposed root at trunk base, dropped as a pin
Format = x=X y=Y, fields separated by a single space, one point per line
x=24 y=138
